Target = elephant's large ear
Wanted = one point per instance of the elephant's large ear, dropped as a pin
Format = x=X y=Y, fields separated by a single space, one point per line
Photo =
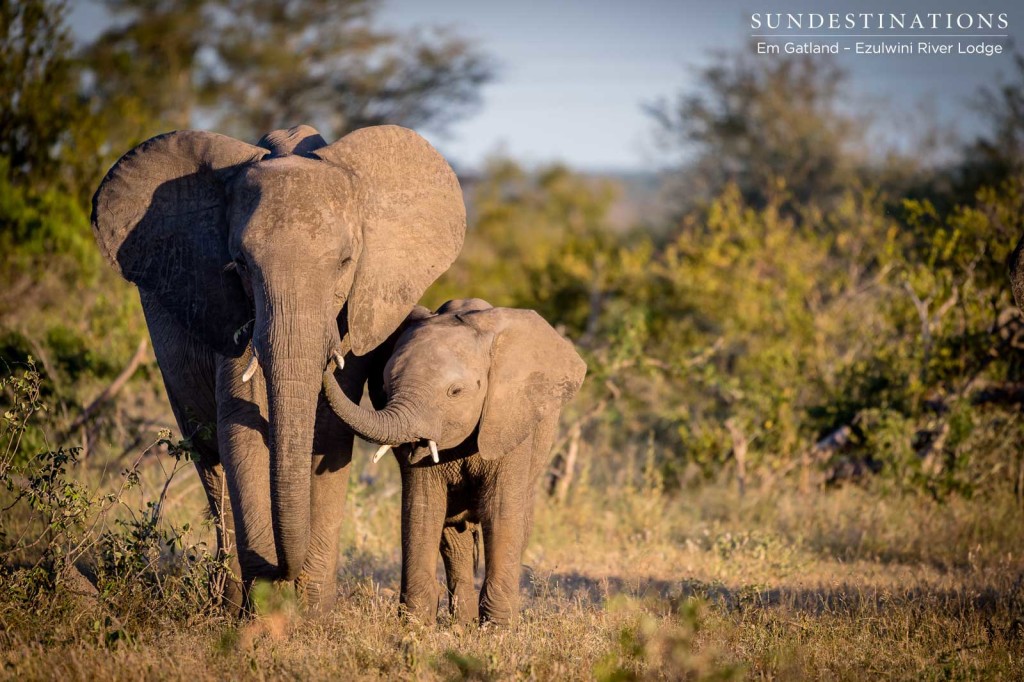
x=414 y=222
x=159 y=218
x=533 y=372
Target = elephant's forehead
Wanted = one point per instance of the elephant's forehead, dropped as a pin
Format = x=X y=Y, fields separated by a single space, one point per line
x=442 y=344
x=299 y=174
x=293 y=194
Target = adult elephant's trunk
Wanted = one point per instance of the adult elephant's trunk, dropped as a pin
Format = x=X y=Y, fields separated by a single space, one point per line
x=391 y=425
x=292 y=362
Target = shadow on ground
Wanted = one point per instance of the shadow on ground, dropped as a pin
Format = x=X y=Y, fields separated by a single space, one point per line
x=839 y=599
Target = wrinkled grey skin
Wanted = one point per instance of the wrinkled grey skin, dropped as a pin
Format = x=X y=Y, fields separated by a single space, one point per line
x=294 y=250
x=487 y=385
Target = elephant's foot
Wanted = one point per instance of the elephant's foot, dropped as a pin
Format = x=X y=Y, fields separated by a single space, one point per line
x=499 y=605
x=502 y=618
x=463 y=606
x=229 y=592
x=421 y=604
x=316 y=596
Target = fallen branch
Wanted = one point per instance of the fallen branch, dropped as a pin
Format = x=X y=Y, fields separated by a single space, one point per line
x=115 y=386
x=832 y=442
x=817 y=455
x=1010 y=393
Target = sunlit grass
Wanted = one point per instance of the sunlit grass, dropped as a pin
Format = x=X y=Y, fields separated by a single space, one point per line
x=621 y=583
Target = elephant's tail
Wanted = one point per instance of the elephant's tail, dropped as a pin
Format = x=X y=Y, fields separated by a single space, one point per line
x=478 y=541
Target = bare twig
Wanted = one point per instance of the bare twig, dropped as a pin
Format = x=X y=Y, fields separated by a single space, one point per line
x=739 y=452
x=929 y=319
x=561 y=477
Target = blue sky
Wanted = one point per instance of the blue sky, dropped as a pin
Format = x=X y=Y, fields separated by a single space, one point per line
x=573 y=75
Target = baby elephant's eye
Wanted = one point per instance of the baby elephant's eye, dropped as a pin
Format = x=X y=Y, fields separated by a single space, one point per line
x=454 y=390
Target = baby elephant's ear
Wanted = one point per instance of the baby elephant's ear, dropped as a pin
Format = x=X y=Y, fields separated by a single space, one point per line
x=534 y=371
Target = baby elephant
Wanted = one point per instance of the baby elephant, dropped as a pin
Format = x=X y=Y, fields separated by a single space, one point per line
x=469 y=399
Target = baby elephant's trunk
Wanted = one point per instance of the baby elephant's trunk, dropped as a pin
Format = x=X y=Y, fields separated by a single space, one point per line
x=389 y=426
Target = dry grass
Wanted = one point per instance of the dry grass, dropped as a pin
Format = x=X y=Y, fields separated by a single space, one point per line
x=843 y=584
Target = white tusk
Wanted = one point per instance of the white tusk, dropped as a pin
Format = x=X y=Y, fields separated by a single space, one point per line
x=380 y=452
x=250 y=369
x=339 y=359
x=433 y=451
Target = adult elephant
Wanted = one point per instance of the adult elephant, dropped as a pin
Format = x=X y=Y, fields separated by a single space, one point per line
x=276 y=256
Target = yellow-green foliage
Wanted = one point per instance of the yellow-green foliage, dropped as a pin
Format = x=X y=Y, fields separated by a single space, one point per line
x=793 y=324
x=521 y=225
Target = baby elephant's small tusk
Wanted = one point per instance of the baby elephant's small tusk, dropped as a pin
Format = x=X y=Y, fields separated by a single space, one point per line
x=250 y=369
x=339 y=359
x=380 y=452
x=433 y=451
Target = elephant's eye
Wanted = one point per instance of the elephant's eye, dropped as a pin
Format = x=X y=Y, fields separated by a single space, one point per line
x=454 y=390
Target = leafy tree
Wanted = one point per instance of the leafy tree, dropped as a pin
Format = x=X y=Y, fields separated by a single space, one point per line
x=324 y=61
x=998 y=152
x=38 y=105
x=537 y=240
x=763 y=125
x=144 y=67
x=248 y=66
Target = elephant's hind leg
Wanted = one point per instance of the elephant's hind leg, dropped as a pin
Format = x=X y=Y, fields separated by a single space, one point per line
x=211 y=474
x=457 y=551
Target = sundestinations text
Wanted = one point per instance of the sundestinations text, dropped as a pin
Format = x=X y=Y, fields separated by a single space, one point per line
x=882 y=21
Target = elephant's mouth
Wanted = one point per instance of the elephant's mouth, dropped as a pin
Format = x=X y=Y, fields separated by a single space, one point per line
x=415 y=453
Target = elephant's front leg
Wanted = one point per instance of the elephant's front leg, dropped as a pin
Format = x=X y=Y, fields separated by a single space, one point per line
x=506 y=524
x=458 y=553
x=332 y=446
x=242 y=441
x=424 y=501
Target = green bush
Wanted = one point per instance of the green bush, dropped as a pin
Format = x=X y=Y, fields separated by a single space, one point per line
x=45 y=230
x=55 y=527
